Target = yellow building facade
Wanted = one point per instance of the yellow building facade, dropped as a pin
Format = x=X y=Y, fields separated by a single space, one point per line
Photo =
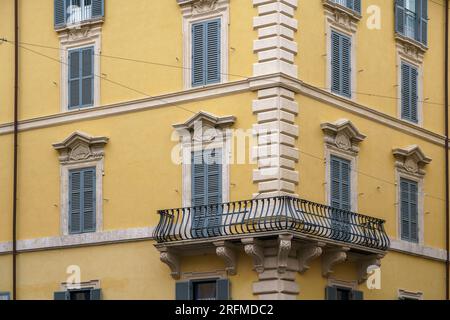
x=323 y=121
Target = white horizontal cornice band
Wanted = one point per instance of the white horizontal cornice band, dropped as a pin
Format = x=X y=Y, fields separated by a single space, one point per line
x=235 y=87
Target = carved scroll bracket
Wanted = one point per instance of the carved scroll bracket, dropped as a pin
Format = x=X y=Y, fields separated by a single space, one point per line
x=332 y=257
x=307 y=253
x=225 y=251
x=284 y=248
x=254 y=249
x=365 y=263
x=172 y=260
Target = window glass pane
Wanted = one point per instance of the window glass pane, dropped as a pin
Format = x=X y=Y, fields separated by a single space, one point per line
x=343 y=294
x=410 y=5
x=205 y=290
x=80 y=295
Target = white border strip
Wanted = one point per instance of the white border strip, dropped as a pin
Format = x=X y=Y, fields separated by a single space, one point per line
x=250 y=84
x=418 y=250
x=78 y=240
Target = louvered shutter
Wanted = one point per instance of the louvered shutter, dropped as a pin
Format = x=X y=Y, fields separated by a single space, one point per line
x=409 y=210
x=357 y=6
x=223 y=289
x=400 y=16
x=213 y=51
x=346 y=66
x=183 y=290
x=424 y=21
x=335 y=62
x=330 y=293
x=88 y=200
x=96 y=294
x=198 y=193
x=340 y=183
x=61 y=295
x=198 y=54
x=60 y=9
x=87 y=70
x=214 y=189
x=74 y=78
x=414 y=93
x=357 y=295
x=75 y=207
x=409 y=83
x=98 y=9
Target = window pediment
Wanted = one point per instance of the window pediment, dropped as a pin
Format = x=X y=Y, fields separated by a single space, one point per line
x=411 y=160
x=340 y=16
x=80 y=147
x=343 y=135
x=204 y=120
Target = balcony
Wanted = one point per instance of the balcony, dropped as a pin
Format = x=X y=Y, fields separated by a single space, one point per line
x=310 y=228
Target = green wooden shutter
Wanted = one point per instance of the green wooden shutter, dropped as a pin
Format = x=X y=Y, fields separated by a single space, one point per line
x=183 y=290
x=341 y=69
x=98 y=9
x=335 y=62
x=61 y=295
x=75 y=191
x=198 y=54
x=74 y=78
x=340 y=191
x=400 y=18
x=409 y=90
x=223 y=289
x=198 y=193
x=89 y=200
x=213 y=51
x=213 y=159
x=330 y=293
x=96 y=294
x=346 y=68
x=357 y=295
x=87 y=76
x=409 y=210
x=423 y=30
x=60 y=11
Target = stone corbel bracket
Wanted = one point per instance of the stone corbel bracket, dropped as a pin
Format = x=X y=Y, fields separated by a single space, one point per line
x=172 y=260
x=411 y=160
x=307 y=253
x=332 y=257
x=253 y=248
x=365 y=263
x=284 y=248
x=225 y=251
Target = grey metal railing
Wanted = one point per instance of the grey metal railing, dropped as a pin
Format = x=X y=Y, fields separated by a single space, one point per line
x=271 y=214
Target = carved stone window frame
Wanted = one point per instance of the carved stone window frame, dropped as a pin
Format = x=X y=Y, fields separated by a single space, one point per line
x=410 y=164
x=77 y=38
x=78 y=151
x=344 y=21
x=194 y=11
x=408 y=54
x=92 y=284
x=342 y=140
x=193 y=136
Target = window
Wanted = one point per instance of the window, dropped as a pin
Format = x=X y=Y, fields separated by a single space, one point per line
x=412 y=19
x=409 y=210
x=69 y=12
x=5 y=296
x=342 y=293
x=206 y=190
x=82 y=194
x=81 y=78
x=341 y=64
x=78 y=294
x=206 y=52
x=354 y=5
x=215 y=289
x=409 y=92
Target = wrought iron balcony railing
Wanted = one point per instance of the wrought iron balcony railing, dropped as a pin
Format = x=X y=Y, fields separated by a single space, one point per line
x=268 y=215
